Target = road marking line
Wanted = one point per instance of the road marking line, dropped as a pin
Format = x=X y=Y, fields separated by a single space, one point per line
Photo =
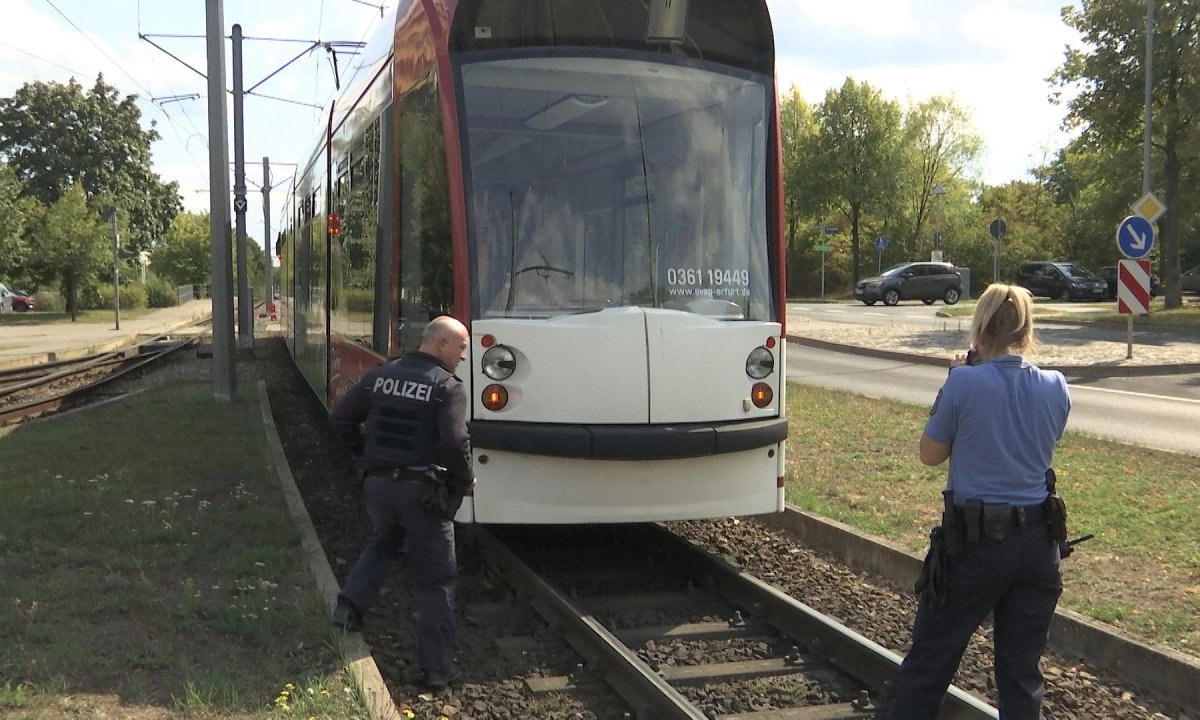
x=1134 y=394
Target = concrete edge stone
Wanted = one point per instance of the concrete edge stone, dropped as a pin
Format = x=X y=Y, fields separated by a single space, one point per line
x=354 y=650
x=1165 y=672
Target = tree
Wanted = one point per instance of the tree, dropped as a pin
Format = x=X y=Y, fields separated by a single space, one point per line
x=940 y=146
x=1110 y=74
x=70 y=243
x=57 y=136
x=801 y=179
x=859 y=149
x=184 y=254
x=13 y=252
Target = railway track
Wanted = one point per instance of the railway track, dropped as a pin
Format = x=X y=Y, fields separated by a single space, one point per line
x=679 y=632
x=29 y=392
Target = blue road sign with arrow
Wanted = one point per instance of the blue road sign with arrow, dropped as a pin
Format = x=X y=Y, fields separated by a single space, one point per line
x=1135 y=237
x=881 y=243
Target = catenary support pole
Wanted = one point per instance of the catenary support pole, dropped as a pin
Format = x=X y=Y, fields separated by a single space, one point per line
x=268 y=251
x=116 y=242
x=224 y=369
x=245 y=303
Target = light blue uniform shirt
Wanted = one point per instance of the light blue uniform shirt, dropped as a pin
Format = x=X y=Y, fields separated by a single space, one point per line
x=1001 y=420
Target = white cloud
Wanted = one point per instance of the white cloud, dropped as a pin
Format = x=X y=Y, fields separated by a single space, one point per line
x=992 y=57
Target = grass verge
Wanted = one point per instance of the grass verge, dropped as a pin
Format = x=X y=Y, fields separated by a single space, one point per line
x=151 y=569
x=854 y=459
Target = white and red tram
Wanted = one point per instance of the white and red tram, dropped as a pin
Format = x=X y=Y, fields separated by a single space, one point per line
x=593 y=187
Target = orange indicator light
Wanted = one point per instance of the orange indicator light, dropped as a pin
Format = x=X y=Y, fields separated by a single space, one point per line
x=761 y=395
x=495 y=397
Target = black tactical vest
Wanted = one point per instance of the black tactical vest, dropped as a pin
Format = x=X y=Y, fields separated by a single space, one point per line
x=401 y=425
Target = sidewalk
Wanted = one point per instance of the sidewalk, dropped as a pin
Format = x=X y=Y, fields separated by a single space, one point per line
x=24 y=345
x=1078 y=349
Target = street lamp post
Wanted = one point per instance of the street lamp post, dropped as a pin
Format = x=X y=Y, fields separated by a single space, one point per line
x=939 y=191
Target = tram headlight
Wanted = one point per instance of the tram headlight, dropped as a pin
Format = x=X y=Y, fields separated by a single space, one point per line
x=495 y=397
x=761 y=395
x=759 y=363
x=499 y=362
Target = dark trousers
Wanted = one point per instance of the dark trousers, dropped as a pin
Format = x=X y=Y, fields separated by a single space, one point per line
x=1019 y=582
x=397 y=515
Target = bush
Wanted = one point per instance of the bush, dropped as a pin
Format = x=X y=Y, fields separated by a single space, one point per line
x=50 y=301
x=132 y=296
x=160 y=293
x=360 y=301
x=91 y=298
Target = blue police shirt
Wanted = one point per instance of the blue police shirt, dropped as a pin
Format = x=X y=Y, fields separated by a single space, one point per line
x=1001 y=420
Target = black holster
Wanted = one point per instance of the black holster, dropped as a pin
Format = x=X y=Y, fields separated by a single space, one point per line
x=442 y=500
x=1056 y=518
x=945 y=541
x=935 y=571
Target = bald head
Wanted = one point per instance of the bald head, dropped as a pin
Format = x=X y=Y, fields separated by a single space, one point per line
x=446 y=339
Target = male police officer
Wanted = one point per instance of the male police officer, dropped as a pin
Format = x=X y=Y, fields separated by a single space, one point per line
x=415 y=414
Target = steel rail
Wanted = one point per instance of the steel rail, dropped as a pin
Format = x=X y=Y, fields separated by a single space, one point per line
x=79 y=367
x=15 y=413
x=642 y=687
x=855 y=654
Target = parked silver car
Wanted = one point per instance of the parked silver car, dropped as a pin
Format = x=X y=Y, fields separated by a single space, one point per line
x=924 y=281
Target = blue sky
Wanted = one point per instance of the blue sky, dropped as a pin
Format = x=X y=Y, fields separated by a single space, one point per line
x=993 y=56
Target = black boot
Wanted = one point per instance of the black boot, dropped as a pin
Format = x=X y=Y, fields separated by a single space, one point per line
x=347 y=617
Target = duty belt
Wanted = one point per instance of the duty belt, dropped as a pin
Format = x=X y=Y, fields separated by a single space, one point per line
x=978 y=521
x=421 y=473
x=1022 y=515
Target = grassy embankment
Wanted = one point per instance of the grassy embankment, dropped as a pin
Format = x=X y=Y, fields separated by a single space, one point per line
x=854 y=459
x=150 y=569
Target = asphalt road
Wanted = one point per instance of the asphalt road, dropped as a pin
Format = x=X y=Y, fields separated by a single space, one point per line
x=1159 y=412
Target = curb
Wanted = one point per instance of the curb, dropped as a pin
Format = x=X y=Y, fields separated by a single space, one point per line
x=1089 y=371
x=1165 y=672
x=354 y=650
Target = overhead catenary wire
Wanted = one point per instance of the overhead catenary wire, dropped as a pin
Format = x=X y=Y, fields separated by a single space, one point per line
x=148 y=95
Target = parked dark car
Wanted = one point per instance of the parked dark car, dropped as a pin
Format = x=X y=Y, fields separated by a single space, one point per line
x=1109 y=273
x=1063 y=280
x=925 y=281
x=1190 y=281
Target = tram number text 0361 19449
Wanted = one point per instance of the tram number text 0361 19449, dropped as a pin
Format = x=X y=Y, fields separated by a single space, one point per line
x=715 y=277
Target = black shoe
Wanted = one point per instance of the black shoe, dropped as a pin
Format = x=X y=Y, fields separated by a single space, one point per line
x=436 y=681
x=347 y=617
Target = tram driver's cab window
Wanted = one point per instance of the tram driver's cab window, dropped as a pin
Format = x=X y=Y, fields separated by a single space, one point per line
x=608 y=182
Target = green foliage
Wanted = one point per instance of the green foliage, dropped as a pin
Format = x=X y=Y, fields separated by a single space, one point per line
x=57 y=137
x=48 y=301
x=133 y=295
x=1107 y=71
x=160 y=292
x=857 y=163
x=184 y=255
x=72 y=243
x=360 y=300
x=12 y=250
x=859 y=148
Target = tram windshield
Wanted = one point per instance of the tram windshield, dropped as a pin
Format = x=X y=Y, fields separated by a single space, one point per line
x=599 y=182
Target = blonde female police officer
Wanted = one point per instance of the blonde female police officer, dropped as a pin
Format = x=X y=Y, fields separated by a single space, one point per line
x=415 y=415
x=998 y=422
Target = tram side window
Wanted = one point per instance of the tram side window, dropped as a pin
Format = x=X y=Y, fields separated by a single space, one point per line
x=426 y=271
x=357 y=205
